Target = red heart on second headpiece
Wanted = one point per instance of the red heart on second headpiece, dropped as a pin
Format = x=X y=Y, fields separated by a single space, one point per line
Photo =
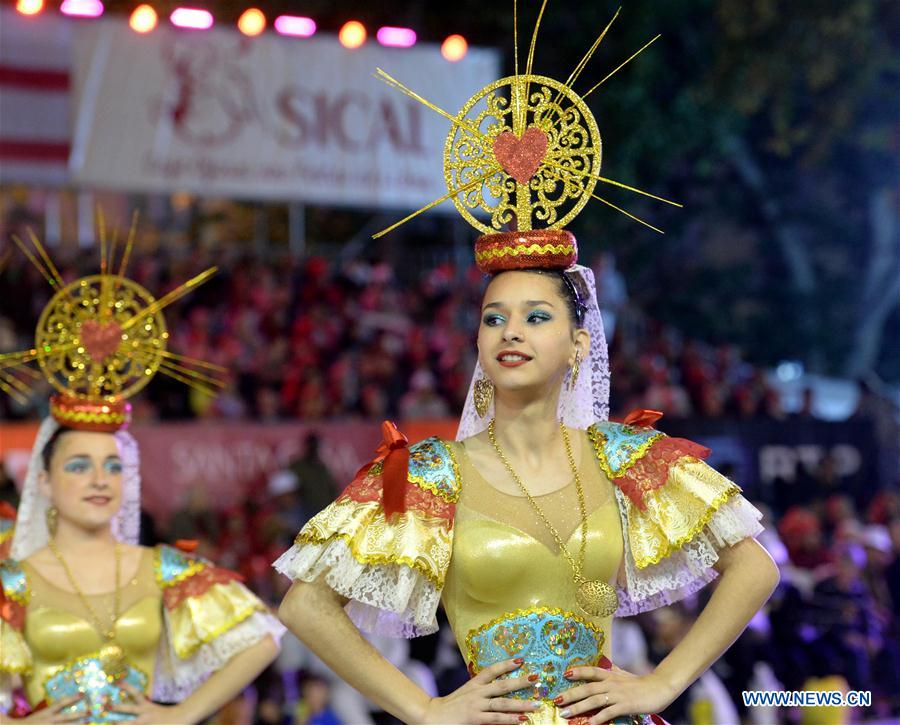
x=100 y=339
x=521 y=157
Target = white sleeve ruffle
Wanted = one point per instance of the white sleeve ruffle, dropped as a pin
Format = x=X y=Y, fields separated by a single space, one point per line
x=688 y=569
x=175 y=678
x=385 y=599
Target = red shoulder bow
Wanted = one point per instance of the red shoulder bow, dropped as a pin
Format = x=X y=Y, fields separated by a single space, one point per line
x=393 y=454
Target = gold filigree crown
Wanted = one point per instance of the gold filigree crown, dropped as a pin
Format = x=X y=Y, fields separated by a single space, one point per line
x=521 y=161
x=99 y=340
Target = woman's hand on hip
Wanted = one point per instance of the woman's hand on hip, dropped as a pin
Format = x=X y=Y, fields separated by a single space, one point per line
x=60 y=711
x=613 y=692
x=481 y=700
x=147 y=712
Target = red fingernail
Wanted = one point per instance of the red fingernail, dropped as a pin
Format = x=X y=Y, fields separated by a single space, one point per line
x=533 y=678
x=568 y=674
x=519 y=660
x=523 y=718
x=558 y=700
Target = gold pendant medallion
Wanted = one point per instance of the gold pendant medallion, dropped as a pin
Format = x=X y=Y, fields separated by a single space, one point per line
x=596 y=598
x=113 y=658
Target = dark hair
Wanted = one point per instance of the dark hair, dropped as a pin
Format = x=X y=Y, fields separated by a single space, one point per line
x=50 y=447
x=566 y=288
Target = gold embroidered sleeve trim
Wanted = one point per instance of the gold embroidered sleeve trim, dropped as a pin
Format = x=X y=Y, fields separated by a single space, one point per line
x=677 y=512
x=410 y=539
x=200 y=620
x=15 y=656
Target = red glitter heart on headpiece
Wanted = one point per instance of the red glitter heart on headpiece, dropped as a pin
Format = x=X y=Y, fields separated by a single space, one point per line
x=100 y=339
x=521 y=157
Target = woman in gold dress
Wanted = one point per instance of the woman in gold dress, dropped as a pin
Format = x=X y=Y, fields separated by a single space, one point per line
x=543 y=520
x=533 y=534
x=93 y=627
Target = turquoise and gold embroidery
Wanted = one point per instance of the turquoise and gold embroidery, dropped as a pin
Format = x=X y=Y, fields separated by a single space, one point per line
x=433 y=468
x=14 y=582
x=172 y=566
x=550 y=641
x=619 y=447
x=100 y=689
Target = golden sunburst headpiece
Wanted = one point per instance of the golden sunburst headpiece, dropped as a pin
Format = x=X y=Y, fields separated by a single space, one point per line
x=525 y=151
x=101 y=339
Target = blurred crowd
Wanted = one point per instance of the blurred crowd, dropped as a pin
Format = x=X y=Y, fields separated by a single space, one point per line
x=312 y=339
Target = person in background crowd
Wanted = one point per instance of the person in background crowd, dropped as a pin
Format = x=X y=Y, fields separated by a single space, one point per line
x=802 y=534
x=316 y=485
x=848 y=633
x=313 y=707
x=422 y=400
x=706 y=700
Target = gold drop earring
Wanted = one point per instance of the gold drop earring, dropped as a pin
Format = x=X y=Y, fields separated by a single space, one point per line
x=52 y=516
x=573 y=378
x=483 y=395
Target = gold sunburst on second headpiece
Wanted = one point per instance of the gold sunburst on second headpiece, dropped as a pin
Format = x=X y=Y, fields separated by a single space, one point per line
x=101 y=339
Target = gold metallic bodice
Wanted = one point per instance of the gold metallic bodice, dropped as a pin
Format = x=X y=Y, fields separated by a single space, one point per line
x=58 y=631
x=504 y=559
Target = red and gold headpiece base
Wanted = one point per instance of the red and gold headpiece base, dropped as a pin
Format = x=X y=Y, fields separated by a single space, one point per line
x=101 y=417
x=532 y=249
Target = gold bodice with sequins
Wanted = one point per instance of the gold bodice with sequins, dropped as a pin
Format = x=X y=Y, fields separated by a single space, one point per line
x=504 y=558
x=58 y=630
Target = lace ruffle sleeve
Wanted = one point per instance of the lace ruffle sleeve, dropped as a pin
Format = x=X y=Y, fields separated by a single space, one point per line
x=209 y=616
x=15 y=655
x=385 y=543
x=677 y=513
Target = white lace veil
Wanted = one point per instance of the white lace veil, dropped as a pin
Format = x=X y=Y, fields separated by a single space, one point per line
x=589 y=401
x=31 y=522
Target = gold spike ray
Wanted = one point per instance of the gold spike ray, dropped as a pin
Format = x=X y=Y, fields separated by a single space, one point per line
x=183 y=359
x=629 y=215
x=523 y=117
x=585 y=174
x=126 y=255
x=622 y=65
x=54 y=282
x=177 y=363
x=582 y=64
x=176 y=375
x=171 y=297
x=516 y=57
x=46 y=257
x=406 y=90
x=13 y=387
x=450 y=194
x=12 y=359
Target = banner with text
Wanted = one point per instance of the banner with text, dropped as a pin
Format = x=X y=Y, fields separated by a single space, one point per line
x=220 y=114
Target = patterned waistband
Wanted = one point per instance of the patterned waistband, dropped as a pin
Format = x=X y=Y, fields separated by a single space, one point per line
x=98 y=678
x=549 y=640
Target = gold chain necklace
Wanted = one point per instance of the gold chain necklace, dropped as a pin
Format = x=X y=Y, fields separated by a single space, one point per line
x=111 y=654
x=596 y=598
